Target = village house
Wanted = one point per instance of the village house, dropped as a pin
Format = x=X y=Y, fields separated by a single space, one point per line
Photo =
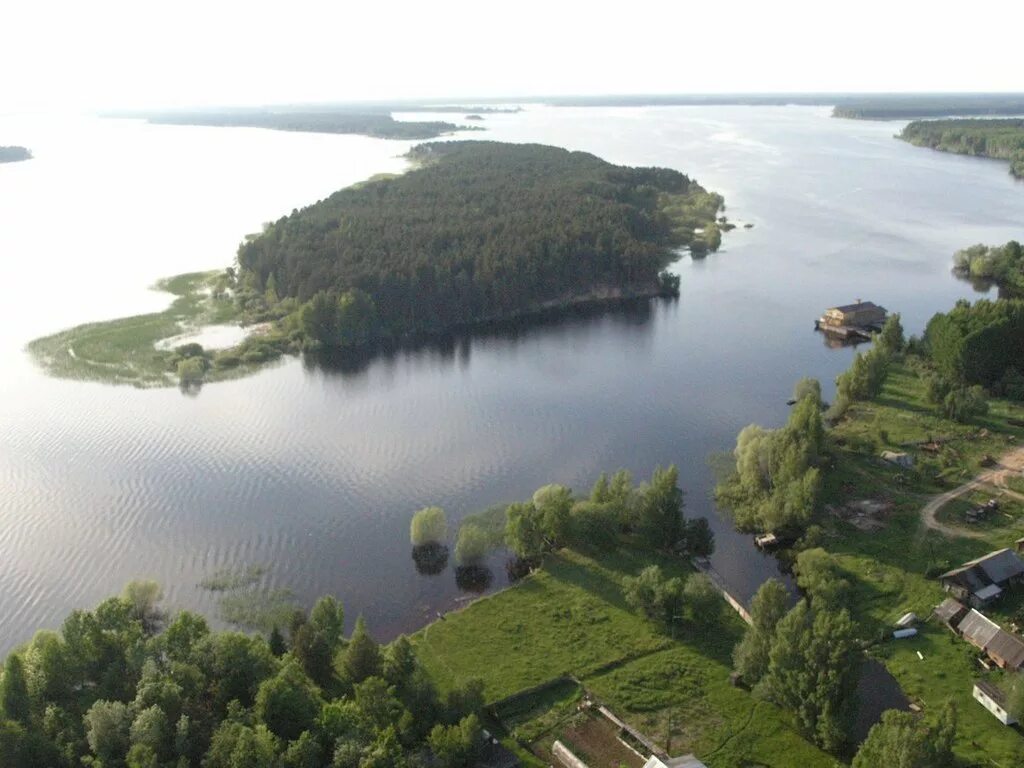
x=1002 y=647
x=994 y=700
x=981 y=581
x=977 y=629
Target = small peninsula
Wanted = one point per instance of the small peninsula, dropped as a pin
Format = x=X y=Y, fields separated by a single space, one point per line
x=376 y=125
x=14 y=154
x=475 y=233
x=1000 y=139
x=479 y=232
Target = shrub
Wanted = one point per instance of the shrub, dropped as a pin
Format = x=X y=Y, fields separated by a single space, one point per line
x=429 y=526
x=472 y=545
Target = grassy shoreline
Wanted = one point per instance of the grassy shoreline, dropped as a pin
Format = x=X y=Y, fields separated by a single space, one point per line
x=569 y=619
x=124 y=350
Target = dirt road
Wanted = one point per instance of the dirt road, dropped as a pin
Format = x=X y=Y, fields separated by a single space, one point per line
x=1009 y=465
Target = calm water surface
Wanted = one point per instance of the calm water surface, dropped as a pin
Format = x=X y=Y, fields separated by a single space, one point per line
x=315 y=472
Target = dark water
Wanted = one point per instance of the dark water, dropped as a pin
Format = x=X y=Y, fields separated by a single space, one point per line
x=314 y=471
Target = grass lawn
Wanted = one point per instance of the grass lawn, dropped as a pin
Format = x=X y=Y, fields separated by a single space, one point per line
x=892 y=571
x=123 y=351
x=569 y=619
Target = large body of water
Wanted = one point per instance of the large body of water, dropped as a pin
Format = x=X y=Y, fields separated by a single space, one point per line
x=315 y=472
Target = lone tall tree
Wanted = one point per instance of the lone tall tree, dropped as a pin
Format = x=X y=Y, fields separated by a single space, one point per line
x=15 y=690
x=751 y=655
x=813 y=670
x=362 y=657
x=660 y=518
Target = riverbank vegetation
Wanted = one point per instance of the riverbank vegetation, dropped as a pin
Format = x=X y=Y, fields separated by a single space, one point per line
x=1000 y=139
x=14 y=154
x=615 y=513
x=379 y=125
x=868 y=544
x=1002 y=265
x=607 y=601
x=478 y=232
x=127 y=686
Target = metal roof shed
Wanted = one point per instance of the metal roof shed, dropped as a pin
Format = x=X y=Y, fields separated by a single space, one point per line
x=977 y=629
x=1006 y=650
x=950 y=610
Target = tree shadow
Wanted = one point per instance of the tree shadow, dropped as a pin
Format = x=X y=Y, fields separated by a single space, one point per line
x=430 y=559
x=473 y=578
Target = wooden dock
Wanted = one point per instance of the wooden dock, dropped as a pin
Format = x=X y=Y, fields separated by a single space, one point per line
x=716 y=578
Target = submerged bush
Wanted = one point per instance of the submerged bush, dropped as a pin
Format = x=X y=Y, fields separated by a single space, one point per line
x=429 y=526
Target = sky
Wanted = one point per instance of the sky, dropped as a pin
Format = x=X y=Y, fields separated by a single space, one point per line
x=135 y=54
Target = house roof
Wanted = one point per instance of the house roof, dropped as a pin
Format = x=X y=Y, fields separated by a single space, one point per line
x=949 y=609
x=994 y=693
x=977 y=628
x=994 y=568
x=1002 y=565
x=1009 y=648
x=989 y=592
x=858 y=305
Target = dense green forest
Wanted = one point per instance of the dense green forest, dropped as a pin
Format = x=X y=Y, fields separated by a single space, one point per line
x=479 y=231
x=1002 y=139
x=377 y=124
x=14 y=154
x=980 y=344
x=907 y=106
x=125 y=686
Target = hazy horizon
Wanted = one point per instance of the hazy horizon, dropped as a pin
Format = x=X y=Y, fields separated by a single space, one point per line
x=117 y=55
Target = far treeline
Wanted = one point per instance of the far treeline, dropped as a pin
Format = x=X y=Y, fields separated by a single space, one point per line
x=479 y=232
x=379 y=125
x=1000 y=139
x=14 y=154
x=908 y=106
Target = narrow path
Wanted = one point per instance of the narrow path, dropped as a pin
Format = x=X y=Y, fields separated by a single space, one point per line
x=1010 y=465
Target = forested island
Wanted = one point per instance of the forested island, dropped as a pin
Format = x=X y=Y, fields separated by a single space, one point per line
x=1001 y=139
x=376 y=124
x=13 y=154
x=479 y=232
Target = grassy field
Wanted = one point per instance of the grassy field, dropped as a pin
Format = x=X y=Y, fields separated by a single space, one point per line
x=569 y=619
x=124 y=351
x=892 y=571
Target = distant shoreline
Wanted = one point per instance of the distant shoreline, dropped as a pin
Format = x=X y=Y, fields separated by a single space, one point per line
x=14 y=154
